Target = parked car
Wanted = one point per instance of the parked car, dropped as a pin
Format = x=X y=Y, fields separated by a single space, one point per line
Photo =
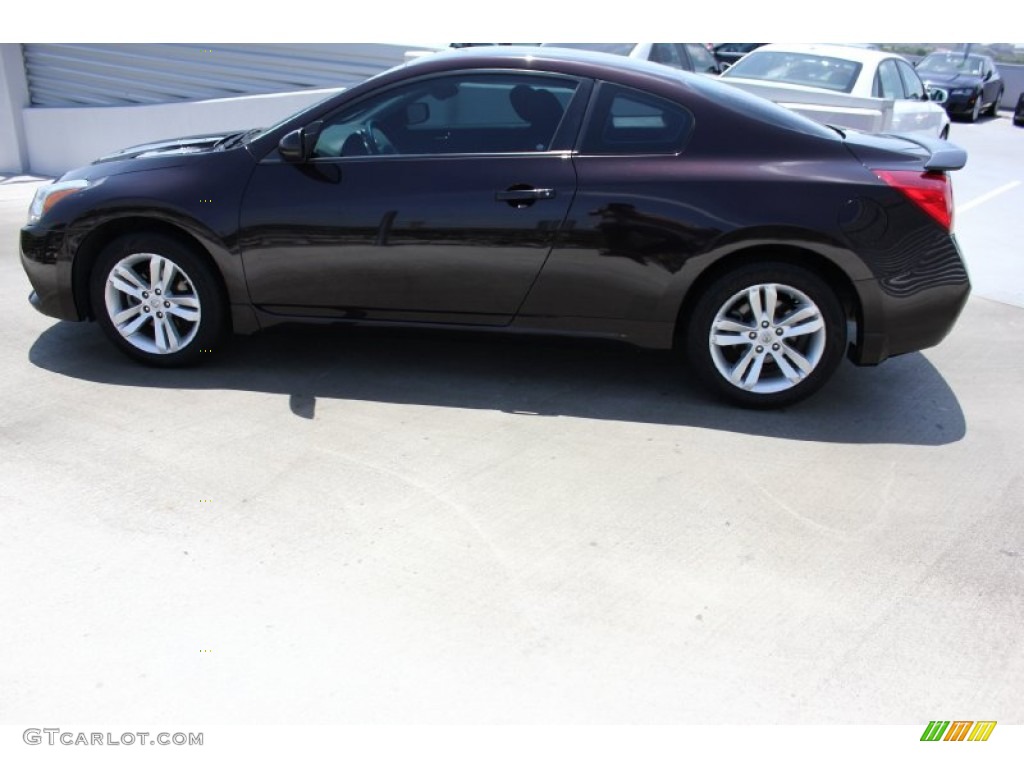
x=1018 y=113
x=969 y=84
x=730 y=53
x=845 y=86
x=689 y=57
x=529 y=190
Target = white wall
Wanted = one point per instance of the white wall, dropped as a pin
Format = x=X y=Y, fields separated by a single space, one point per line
x=60 y=139
x=13 y=97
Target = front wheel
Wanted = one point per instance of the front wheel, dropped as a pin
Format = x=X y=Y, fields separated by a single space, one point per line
x=975 y=110
x=766 y=335
x=157 y=300
x=993 y=111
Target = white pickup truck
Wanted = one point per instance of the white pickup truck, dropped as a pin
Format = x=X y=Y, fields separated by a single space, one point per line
x=843 y=86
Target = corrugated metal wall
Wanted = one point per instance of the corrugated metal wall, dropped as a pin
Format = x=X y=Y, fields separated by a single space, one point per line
x=68 y=75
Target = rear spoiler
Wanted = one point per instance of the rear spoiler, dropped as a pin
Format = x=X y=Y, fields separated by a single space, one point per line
x=944 y=155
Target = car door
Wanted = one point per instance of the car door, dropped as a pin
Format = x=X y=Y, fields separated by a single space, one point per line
x=991 y=82
x=911 y=114
x=433 y=200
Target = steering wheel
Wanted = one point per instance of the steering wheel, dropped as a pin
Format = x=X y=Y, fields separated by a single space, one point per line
x=377 y=142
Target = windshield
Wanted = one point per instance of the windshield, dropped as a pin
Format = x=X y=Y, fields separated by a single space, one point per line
x=808 y=69
x=952 y=64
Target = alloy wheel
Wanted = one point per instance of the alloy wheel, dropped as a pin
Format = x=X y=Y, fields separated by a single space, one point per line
x=152 y=303
x=767 y=338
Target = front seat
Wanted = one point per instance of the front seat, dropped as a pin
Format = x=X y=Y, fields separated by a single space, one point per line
x=541 y=110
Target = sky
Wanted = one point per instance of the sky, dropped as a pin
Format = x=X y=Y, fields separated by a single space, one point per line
x=471 y=20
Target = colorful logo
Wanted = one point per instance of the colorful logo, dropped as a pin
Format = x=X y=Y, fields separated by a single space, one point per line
x=958 y=730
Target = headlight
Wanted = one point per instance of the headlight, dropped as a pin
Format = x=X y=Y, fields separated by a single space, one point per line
x=962 y=91
x=49 y=195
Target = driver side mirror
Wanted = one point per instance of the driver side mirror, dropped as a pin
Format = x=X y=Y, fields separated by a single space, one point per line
x=297 y=146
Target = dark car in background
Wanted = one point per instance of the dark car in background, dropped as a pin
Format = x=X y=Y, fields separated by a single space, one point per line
x=524 y=190
x=689 y=57
x=1018 y=112
x=968 y=84
x=730 y=53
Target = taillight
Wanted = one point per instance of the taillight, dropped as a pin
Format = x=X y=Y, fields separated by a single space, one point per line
x=931 y=191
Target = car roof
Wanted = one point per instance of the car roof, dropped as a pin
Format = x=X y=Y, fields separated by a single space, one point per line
x=567 y=60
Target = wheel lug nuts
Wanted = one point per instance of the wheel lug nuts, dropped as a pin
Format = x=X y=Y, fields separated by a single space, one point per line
x=159 y=314
x=157 y=291
x=145 y=309
x=752 y=335
x=167 y=303
x=760 y=350
x=145 y=294
x=775 y=347
x=764 y=323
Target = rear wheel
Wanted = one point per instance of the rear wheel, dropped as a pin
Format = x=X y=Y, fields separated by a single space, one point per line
x=766 y=335
x=157 y=300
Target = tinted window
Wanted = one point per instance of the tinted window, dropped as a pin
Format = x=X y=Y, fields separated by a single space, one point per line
x=798 y=69
x=479 y=114
x=701 y=57
x=887 y=81
x=626 y=121
x=911 y=82
x=667 y=54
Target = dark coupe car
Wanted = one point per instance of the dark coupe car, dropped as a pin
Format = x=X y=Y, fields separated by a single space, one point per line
x=970 y=82
x=528 y=190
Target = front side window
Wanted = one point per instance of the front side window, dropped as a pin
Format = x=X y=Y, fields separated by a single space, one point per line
x=626 y=121
x=667 y=54
x=911 y=81
x=887 y=81
x=454 y=114
x=701 y=57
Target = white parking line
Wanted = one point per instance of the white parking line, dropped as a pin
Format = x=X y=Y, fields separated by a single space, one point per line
x=986 y=197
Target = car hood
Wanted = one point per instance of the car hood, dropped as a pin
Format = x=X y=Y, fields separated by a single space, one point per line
x=188 y=145
x=950 y=81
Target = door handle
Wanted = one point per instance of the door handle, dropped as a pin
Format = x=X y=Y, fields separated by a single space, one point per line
x=520 y=197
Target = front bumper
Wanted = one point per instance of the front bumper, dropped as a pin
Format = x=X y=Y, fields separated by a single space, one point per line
x=961 y=105
x=49 y=272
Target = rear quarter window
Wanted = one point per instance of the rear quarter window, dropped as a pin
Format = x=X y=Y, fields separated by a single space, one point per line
x=627 y=121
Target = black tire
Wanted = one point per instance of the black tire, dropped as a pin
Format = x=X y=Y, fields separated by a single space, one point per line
x=178 y=319
x=803 y=301
x=975 y=111
x=993 y=111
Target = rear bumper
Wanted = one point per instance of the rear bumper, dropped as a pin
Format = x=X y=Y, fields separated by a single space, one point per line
x=895 y=325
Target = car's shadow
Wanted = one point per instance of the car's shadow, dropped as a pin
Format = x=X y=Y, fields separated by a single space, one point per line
x=903 y=401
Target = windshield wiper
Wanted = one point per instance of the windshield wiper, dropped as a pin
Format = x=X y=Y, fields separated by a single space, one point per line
x=237 y=138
